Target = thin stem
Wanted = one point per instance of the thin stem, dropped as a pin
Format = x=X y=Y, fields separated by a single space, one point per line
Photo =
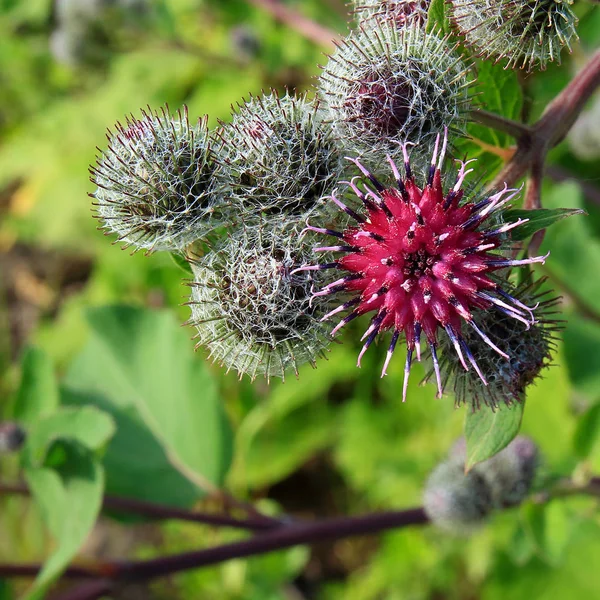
x=500 y=123
x=257 y=522
x=295 y=20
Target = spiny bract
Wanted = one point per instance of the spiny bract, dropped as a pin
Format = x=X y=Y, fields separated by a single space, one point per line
x=422 y=259
x=526 y=33
x=252 y=311
x=387 y=84
x=282 y=157
x=529 y=351
x=156 y=182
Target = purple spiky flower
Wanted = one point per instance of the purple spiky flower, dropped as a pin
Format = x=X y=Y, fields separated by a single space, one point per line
x=422 y=259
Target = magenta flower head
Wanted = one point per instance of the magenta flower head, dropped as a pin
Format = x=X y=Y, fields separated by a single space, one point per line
x=421 y=260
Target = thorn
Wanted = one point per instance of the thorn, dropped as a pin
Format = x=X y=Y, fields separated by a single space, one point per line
x=390 y=352
x=409 y=353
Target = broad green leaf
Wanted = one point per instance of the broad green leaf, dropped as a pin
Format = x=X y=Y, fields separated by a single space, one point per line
x=87 y=425
x=437 y=17
x=587 y=432
x=548 y=527
x=487 y=432
x=37 y=395
x=540 y=218
x=70 y=497
x=141 y=362
x=135 y=463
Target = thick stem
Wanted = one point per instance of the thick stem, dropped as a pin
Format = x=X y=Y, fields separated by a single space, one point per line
x=554 y=124
x=284 y=537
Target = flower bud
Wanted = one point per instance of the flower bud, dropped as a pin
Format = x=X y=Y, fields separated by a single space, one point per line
x=387 y=85
x=528 y=347
x=252 y=309
x=282 y=157
x=526 y=33
x=156 y=182
x=509 y=473
x=12 y=437
x=456 y=502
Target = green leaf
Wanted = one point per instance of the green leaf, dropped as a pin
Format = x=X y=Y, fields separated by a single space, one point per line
x=38 y=393
x=498 y=92
x=69 y=496
x=487 y=432
x=87 y=425
x=181 y=262
x=437 y=19
x=587 y=431
x=548 y=527
x=540 y=218
x=67 y=480
x=142 y=365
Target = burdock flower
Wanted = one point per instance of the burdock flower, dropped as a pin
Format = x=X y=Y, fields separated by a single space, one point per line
x=424 y=260
x=387 y=83
x=526 y=33
x=252 y=311
x=156 y=182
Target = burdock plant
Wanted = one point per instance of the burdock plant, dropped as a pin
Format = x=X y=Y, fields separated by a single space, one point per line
x=414 y=246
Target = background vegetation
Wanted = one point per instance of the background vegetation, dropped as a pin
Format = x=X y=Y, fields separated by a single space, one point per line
x=84 y=324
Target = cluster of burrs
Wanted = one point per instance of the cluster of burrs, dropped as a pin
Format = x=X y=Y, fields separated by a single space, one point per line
x=421 y=260
x=424 y=257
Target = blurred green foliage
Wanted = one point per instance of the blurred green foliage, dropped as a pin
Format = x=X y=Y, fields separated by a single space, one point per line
x=336 y=441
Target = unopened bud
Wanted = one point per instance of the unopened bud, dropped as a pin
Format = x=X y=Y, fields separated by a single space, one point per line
x=456 y=502
x=12 y=437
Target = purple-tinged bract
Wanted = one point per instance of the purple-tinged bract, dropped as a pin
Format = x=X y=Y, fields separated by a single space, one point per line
x=422 y=260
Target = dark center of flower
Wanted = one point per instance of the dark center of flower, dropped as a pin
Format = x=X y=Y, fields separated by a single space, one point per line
x=384 y=101
x=418 y=263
